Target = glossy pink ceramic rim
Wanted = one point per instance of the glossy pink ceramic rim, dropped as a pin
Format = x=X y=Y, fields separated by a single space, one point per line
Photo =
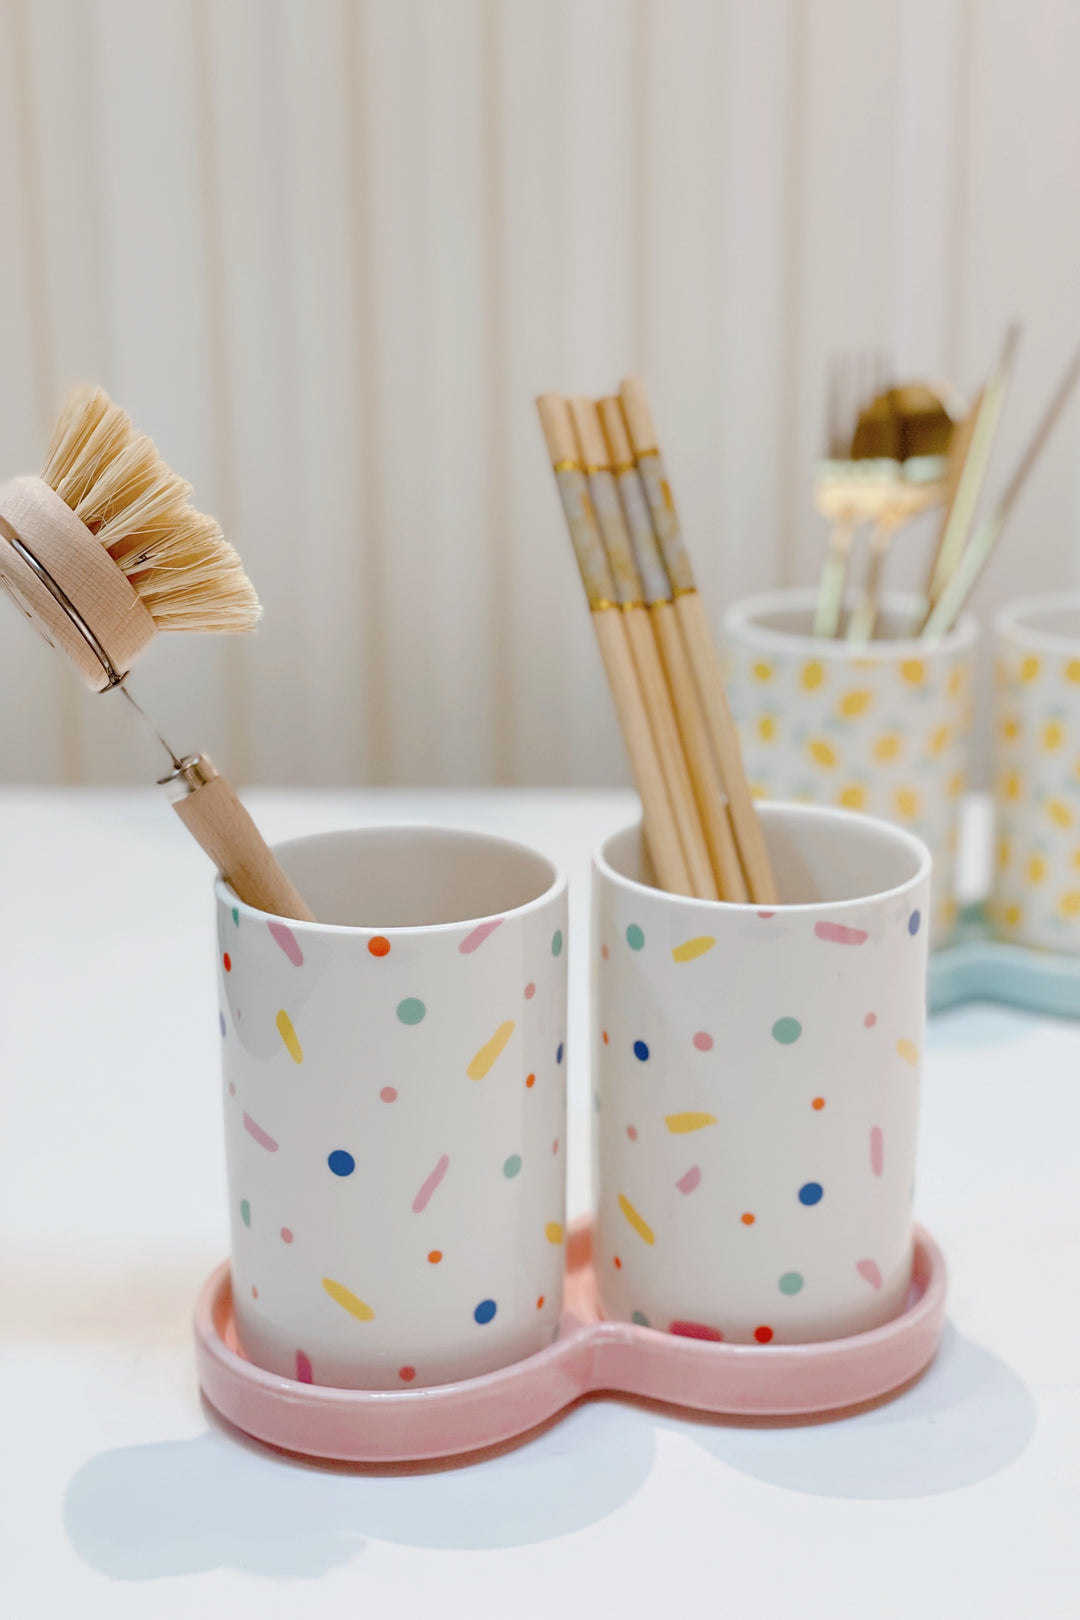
x=590 y=1355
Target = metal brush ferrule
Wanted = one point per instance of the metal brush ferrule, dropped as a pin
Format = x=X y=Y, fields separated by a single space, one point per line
x=192 y=773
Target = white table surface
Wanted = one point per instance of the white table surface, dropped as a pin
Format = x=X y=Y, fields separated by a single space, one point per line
x=122 y=1495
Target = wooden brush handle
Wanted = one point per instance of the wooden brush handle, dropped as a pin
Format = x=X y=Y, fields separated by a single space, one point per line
x=216 y=819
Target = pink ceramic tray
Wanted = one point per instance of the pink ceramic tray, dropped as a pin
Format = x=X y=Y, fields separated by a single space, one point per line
x=589 y=1355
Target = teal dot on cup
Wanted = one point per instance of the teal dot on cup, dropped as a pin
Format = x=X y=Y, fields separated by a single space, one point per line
x=556 y=943
x=245 y=1212
x=640 y=1318
x=512 y=1165
x=411 y=1011
x=634 y=937
x=786 y=1030
x=790 y=1283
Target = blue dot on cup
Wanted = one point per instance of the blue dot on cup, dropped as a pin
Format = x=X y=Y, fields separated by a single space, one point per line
x=411 y=1011
x=341 y=1163
x=786 y=1031
x=641 y=1051
x=634 y=937
x=811 y=1192
x=559 y=1052
x=484 y=1311
x=913 y=923
x=221 y=1022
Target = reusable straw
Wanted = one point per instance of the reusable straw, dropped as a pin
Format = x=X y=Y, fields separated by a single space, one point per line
x=977 y=553
x=973 y=473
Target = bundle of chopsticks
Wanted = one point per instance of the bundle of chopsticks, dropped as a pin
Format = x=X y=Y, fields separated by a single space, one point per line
x=701 y=828
x=859 y=487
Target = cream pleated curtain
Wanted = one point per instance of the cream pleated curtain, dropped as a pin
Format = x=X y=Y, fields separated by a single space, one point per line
x=326 y=252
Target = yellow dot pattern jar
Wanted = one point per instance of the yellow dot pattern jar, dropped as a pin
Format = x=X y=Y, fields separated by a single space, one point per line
x=881 y=728
x=1036 y=896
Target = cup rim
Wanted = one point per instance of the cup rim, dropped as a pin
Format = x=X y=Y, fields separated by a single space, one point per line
x=1007 y=622
x=750 y=908
x=740 y=621
x=224 y=892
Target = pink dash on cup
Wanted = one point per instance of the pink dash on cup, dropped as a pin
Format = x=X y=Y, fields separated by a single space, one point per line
x=696 y=1330
x=837 y=934
x=388 y=1094
x=703 y=1041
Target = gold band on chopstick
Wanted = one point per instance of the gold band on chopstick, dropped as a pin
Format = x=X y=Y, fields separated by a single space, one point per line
x=567 y=464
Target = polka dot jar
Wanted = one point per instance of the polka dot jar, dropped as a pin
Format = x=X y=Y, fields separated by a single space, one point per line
x=1036 y=891
x=882 y=728
x=394 y=1079
x=757 y=1086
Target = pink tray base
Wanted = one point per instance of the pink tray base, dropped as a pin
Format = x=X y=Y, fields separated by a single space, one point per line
x=590 y=1355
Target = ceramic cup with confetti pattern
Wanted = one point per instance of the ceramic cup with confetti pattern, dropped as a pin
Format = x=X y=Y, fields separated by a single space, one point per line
x=758 y=1086
x=395 y=1108
x=1036 y=892
x=882 y=728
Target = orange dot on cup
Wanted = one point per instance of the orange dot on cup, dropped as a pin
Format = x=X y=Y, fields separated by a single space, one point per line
x=435 y=1256
x=604 y=952
x=254 y=1292
x=748 y=1219
x=227 y=959
x=540 y=1303
x=286 y=1235
x=378 y=946
x=818 y=1103
x=605 y=1034
x=406 y=1374
x=618 y=1263
x=631 y=1131
x=763 y=1334
x=530 y=1080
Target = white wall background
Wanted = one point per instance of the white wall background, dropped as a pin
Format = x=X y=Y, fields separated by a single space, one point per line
x=326 y=252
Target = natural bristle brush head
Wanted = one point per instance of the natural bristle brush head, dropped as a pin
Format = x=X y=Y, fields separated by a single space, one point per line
x=105 y=549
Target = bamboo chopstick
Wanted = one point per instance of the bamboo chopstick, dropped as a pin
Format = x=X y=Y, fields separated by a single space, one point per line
x=977 y=553
x=661 y=831
x=699 y=643
x=707 y=786
x=593 y=454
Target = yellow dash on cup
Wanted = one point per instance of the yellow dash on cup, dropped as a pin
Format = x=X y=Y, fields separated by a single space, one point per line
x=553 y=1232
x=288 y=1035
x=641 y=1227
x=348 y=1300
x=908 y=1051
x=490 y=1050
x=692 y=947
x=679 y=1124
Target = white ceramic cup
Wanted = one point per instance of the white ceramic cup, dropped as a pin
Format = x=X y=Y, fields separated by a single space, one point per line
x=883 y=728
x=395 y=1108
x=1036 y=892
x=758 y=1088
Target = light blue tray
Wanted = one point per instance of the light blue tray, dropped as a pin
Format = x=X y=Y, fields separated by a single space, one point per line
x=977 y=967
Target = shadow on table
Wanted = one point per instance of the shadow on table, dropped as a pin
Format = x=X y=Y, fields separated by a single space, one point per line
x=222 y=1500
x=964 y=1420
